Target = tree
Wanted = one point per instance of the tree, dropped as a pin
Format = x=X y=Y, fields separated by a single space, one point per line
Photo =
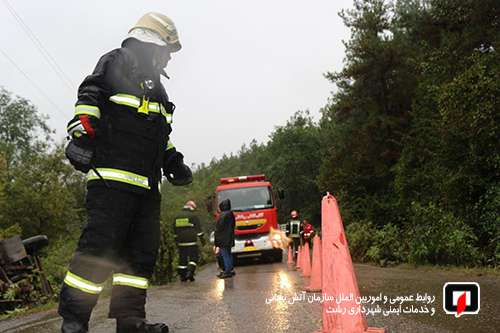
x=295 y=165
x=23 y=130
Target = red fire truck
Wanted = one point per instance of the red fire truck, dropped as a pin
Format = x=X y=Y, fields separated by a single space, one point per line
x=253 y=202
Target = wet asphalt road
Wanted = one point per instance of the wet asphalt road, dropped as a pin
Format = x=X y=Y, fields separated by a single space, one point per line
x=239 y=304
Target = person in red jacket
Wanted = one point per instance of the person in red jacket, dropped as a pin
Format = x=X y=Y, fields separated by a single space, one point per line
x=307 y=232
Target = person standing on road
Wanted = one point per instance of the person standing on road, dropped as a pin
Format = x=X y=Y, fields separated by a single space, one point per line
x=120 y=138
x=307 y=232
x=293 y=230
x=224 y=237
x=187 y=230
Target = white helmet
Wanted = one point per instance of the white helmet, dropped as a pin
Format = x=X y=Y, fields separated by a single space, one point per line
x=158 y=29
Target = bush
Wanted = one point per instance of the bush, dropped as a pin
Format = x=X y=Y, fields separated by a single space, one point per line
x=13 y=230
x=360 y=236
x=438 y=237
x=388 y=246
x=55 y=262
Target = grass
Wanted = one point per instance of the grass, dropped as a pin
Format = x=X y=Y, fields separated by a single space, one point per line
x=29 y=310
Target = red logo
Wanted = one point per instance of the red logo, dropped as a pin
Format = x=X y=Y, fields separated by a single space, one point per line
x=461 y=298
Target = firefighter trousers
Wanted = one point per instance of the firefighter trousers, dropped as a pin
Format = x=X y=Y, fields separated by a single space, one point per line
x=295 y=246
x=188 y=260
x=121 y=239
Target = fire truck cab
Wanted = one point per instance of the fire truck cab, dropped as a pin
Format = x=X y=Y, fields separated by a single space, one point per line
x=253 y=203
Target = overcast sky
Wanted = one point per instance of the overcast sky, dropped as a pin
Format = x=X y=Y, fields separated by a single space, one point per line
x=245 y=66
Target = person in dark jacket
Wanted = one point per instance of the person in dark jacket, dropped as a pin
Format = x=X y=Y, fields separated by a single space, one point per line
x=120 y=137
x=187 y=230
x=224 y=237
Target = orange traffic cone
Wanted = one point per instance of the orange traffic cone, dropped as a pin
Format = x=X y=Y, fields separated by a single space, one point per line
x=315 y=283
x=306 y=261
x=338 y=276
x=290 y=256
x=299 y=258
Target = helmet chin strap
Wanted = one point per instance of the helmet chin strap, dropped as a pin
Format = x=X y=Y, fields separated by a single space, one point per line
x=160 y=69
x=162 y=72
x=158 y=63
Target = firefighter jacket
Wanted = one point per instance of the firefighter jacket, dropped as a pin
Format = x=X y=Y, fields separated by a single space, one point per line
x=187 y=228
x=124 y=114
x=293 y=228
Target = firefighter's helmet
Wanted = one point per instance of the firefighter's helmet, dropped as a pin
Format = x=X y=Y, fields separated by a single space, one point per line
x=294 y=214
x=190 y=204
x=158 y=29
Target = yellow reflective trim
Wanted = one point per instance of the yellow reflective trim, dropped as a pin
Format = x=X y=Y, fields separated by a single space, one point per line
x=90 y=110
x=192 y=263
x=120 y=279
x=183 y=222
x=119 y=176
x=82 y=284
x=73 y=125
x=170 y=145
x=250 y=222
x=154 y=107
x=133 y=101
x=187 y=244
x=144 y=108
x=125 y=99
x=76 y=129
x=294 y=228
x=168 y=116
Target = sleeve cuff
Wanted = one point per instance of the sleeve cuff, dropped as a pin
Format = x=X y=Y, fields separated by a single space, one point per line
x=90 y=110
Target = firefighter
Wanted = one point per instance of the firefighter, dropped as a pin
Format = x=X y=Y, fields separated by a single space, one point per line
x=120 y=137
x=293 y=229
x=187 y=230
x=307 y=232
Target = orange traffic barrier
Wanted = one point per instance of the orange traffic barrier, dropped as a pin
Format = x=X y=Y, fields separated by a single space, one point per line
x=338 y=277
x=306 y=261
x=299 y=258
x=290 y=256
x=315 y=282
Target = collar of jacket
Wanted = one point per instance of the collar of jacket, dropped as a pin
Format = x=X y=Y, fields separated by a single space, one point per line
x=142 y=66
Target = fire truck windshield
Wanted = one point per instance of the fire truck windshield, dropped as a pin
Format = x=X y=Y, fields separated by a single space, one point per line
x=247 y=198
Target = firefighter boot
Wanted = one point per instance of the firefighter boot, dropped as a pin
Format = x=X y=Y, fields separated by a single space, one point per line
x=74 y=326
x=182 y=274
x=139 y=325
x=190 y=273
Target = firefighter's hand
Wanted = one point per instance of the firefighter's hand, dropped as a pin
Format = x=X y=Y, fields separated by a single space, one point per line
x=80 y=154
x=176 y=171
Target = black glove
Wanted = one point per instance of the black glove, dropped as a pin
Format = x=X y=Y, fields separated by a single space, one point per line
x=203 y=241
x=176 y=171
x=80 y=155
